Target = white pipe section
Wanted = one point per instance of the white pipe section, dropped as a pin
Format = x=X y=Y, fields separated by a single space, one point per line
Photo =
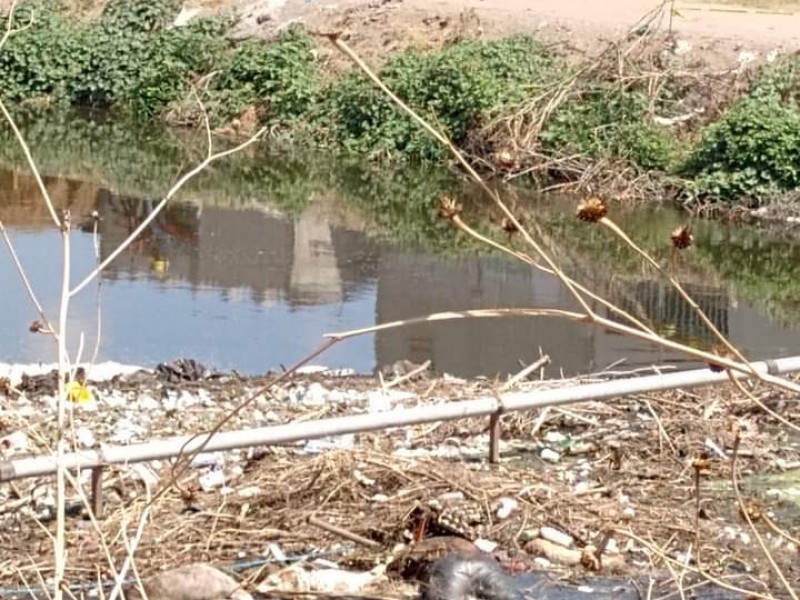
x=295 y=432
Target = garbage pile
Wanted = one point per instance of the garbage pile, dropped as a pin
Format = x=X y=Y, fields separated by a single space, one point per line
x=601 y=496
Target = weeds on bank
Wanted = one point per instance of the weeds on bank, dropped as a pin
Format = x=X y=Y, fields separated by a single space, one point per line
x=631 y=119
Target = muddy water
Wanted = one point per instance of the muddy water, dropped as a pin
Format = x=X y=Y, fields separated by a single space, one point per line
x=251 y=276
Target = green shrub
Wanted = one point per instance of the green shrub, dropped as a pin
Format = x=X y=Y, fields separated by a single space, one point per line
x=456 y=88
x=606 y=122
x=139 y=16
x=752 y=151
x=281 y=78
x=39 y=62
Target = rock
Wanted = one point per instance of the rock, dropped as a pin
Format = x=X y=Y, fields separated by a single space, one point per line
x=193 y=582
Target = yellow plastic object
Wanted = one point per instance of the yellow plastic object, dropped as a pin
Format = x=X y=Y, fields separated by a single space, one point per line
x=77 y=392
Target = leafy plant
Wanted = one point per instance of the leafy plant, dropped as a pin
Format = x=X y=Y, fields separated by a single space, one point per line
x=281 y=78
x=750 y=152
x=142 y=16
x=609 y=122
x=456 y=88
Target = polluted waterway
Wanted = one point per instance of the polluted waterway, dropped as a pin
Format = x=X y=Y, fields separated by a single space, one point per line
x=268 y=251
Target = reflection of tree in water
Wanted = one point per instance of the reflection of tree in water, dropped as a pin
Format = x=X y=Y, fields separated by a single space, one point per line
x=174 y=230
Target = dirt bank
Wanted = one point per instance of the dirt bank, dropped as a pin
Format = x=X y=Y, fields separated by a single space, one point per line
x=718 y=34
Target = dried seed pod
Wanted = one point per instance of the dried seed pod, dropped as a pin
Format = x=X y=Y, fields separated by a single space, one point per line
x=752 y=509
x=509 y=226
x=448 y=208
x=592 y=210
x=682 y=237
x=722 y=351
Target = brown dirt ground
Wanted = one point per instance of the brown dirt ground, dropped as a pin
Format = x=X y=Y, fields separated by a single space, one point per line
x=718 y=33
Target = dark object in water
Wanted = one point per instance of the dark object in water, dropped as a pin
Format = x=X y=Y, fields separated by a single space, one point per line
x=467 y=576
x=464 y=576
x=181 y=370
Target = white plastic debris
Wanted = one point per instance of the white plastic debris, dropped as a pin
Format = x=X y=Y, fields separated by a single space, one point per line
x=85 y=438
x=557 y=537
x=208 y=459
x=487 y=546
x=383 y=400
x=550 y=455
x=311 y=370
x=146 y=402
x=342 y=442
x=555 y=437
x=249 y=491
x=14 y=443
x=746 y=57
x=212 y=480
x=506 y=506
x=681 y=47
x=125 y=431
x=363 y=479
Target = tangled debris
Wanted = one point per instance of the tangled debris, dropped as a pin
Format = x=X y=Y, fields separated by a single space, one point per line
x=605 y=488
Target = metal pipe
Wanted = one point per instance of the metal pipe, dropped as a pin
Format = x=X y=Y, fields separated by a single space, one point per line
x=295 y=432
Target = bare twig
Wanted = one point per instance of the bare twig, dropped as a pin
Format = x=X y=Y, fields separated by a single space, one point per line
x=745 y=512
x=63 y=370
x=26 y=282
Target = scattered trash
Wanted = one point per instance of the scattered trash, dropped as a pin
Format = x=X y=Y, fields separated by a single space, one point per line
x=681 y=47
x=85 y=438
x=181 y=370
x=126 y=430
x=323 y=581
x=14 y=443
x=341 y=442
x=505 y=507
x=557 y=537
x=212 y=480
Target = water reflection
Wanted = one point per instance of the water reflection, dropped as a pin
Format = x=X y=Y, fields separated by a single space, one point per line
x=253 y=288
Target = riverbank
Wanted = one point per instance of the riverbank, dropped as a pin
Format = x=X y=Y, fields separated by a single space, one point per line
x=645 y=118
x=615 y=475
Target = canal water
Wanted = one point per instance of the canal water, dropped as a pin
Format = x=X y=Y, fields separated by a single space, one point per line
x=258 y=259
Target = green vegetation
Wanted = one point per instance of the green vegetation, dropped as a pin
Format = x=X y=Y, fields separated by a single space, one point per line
x=458 y=88
x=607 y=122
x=751 y=151
x=130 y=61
